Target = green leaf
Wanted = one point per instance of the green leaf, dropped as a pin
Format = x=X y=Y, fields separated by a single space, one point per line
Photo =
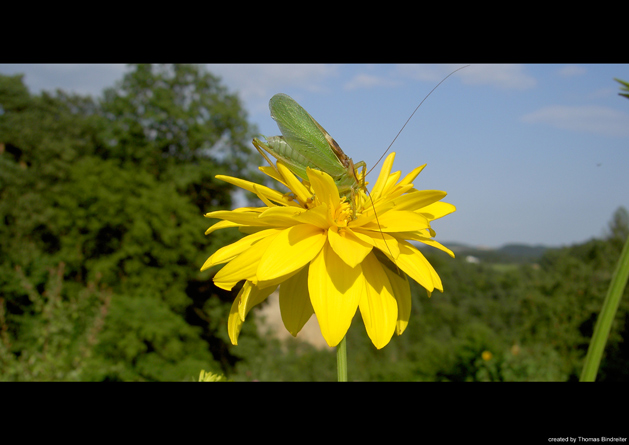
x=606 y=317
x=625 y=87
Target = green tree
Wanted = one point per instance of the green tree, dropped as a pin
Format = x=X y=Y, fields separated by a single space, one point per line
x=115 y=189
x=164 y=117
x=57 y=341
x=618 y=228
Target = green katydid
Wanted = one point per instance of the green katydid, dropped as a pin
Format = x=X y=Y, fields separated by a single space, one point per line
x=305 y=143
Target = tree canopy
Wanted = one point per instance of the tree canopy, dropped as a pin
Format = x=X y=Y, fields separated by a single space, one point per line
x=107 y=196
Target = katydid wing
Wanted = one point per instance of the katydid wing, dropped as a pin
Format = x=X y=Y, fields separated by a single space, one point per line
x=305 y=143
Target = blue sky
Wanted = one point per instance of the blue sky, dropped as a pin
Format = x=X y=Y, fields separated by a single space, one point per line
x=536 y=154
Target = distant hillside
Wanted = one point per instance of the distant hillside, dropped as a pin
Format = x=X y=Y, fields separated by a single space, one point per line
x=510 y=253
x=523 y=250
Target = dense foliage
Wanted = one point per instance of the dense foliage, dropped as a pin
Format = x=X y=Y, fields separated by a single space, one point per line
x=103 y=237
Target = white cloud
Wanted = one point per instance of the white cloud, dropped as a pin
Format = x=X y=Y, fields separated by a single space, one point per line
x=425 y=73
x=587 y=118
x=256 y=83
x=363 y=80
x=571 y=70
x=501 y=76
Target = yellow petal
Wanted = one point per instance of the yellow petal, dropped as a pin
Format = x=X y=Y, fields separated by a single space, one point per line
x=372 y=213
x=279 y=216
x=383 y=176
x=378 y=306
x=416 y=236
x=348 y=246
x=390 y=184
x=324 y=187
x=231 y=251
x=234 y=322
x=258 y=189
x=393 y=191
x=335 y=290
x=303 y=194
x=295 y=305
x=411 y=261
x=244 y=266
x=416 y=266
x=437 y=210
x=292 y=249
x=251 y=296
x=238 y=216
x=221 y=225
x=408 y=179
x=248 y=297
x=418 y=200
x=317 y=216
x=398 y=221
x=381 y=240
x=276 y=198
x=401 y=290
x=244 y=184
x=273 y=173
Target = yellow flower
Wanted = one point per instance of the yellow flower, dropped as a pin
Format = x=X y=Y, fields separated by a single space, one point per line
x=331 y=255
x=206 y=376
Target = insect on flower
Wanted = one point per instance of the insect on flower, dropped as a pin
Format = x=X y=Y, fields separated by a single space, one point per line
x=330 y=256
x=305 y=143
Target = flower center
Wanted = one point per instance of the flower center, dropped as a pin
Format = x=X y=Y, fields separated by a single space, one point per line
x=343 y=214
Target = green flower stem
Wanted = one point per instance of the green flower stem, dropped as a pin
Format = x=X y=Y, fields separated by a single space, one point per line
x=606 y=317
x=341 y=361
